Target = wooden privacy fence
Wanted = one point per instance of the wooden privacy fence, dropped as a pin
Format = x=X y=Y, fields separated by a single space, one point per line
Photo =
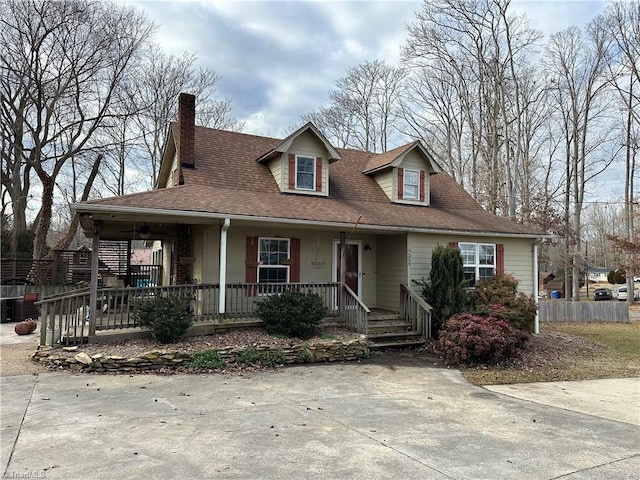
x=556 y=311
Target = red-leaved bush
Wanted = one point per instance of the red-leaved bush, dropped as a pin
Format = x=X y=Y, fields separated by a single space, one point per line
x=467 y=339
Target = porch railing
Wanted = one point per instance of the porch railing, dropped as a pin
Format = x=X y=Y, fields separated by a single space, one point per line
x=415 y=311
x=356 y=313
x=65 y=316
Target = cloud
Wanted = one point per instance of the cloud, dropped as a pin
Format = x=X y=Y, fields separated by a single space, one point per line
x=278 y=60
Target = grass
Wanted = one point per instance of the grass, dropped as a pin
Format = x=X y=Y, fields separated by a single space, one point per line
x=606 y=350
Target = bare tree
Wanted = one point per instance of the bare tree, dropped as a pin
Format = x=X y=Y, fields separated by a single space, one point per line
x=363 y=107
x=468 y=62
x=577 y=63
x=158 y=83
x=61 y=63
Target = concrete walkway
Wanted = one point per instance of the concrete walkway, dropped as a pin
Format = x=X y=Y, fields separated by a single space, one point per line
x=387 y=418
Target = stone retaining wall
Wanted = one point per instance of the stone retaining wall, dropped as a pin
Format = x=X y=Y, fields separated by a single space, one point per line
x=324 y=351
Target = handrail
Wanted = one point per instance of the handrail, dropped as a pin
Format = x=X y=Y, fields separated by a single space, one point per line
x=353 y=294
x=415 y=311
x=356 y=313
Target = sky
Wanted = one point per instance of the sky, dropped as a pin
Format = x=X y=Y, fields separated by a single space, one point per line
x=278 y=60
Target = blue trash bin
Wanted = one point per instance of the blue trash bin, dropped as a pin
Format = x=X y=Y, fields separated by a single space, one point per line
x=555 y=294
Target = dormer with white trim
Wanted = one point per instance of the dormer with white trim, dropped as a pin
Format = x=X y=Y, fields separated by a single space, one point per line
x=403 y=173
x=300 y=163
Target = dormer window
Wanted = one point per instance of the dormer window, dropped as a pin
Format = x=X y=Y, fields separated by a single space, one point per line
x=305 y=173
x=411 y=187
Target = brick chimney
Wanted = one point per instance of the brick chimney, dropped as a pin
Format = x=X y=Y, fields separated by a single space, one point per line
x=187 y=122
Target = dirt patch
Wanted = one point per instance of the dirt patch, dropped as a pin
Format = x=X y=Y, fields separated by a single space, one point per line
x=16 y=360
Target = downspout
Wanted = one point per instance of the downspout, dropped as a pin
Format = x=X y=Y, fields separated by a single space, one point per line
x=222 y=299
x=536 y=280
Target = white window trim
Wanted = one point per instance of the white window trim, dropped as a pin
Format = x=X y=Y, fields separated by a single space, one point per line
x=295 y=172
x=476 y=265
x=404 y=185
x=287 y=267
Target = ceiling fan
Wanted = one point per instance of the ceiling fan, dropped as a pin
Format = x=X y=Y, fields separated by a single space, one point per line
x=144 y=232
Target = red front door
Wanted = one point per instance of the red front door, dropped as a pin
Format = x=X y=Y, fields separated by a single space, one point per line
x=352 y=267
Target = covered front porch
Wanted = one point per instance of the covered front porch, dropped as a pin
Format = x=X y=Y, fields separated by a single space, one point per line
x=227 y=265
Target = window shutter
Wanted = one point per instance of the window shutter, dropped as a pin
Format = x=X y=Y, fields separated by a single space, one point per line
x=499 y=258
x=453 y=244
x=422 y=185
x=400 y=183
x=292 y=171
x=251 y=260
x=294 y=266
x=318 y=174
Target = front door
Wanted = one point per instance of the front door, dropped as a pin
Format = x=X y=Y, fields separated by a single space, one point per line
x=352 y=276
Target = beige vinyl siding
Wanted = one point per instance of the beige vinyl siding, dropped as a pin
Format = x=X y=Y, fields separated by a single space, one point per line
x=385 y=180
x=518 y=255
x=392 y=270
x=305 y=144
x=277 y=170
x=174 y=167
x=206 y=250
x=236 y=253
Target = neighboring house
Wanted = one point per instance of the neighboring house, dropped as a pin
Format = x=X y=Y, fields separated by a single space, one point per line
x=232 y=209
x=598 y=275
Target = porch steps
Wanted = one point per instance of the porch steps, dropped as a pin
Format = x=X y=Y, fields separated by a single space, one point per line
x=392 y=331
x=383 y=341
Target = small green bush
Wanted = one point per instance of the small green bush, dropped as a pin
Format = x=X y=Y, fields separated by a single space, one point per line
x=499 y=297
x=295 y=314
x=248 y=356
x=168 y=318
x=467 y=339
x=207 y=359
x=617 y=277
x=269 y=358
x=272 y=358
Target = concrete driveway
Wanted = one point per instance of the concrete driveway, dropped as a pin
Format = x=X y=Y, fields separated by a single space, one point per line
x=387 y=418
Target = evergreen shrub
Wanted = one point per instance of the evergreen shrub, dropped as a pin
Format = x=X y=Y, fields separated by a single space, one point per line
x=294 y=314
x=168 y=318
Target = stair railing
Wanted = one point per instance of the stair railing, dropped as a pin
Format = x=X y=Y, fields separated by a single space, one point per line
x=415 y=311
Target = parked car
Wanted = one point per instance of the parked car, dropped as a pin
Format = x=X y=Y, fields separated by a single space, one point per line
x=602 y=294
x=621 y=293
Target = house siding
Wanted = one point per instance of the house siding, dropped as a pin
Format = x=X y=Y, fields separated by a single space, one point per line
x=518 y=256
x=308 y=248
x=277 y=171
x=305 y=144
x=393 y=270
x=385 y=180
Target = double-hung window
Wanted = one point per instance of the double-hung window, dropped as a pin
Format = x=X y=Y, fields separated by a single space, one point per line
x=478 y=260
x=273 y=256
x=305 y=173
x=411 y=184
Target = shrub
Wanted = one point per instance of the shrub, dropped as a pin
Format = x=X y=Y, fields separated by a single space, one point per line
x=445 y=289
x=471 y=339
x=294 y=314
x=248 y=356
x=499 y=297
x=168 y=318
x=617 y=277
x=207 y=359
x=273 y=357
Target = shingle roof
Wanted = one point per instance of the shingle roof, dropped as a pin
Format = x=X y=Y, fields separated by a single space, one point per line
x=227 y=180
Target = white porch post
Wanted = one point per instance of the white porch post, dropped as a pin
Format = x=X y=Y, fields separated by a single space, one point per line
x=222 y=299
x=93 y=287
x=343 y=266
x=536 y=280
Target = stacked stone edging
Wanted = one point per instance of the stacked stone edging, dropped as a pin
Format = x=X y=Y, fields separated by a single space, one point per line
x=73 y=358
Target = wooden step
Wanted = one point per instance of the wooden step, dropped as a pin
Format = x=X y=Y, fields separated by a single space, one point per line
x=388 y=327
x=395 y=340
